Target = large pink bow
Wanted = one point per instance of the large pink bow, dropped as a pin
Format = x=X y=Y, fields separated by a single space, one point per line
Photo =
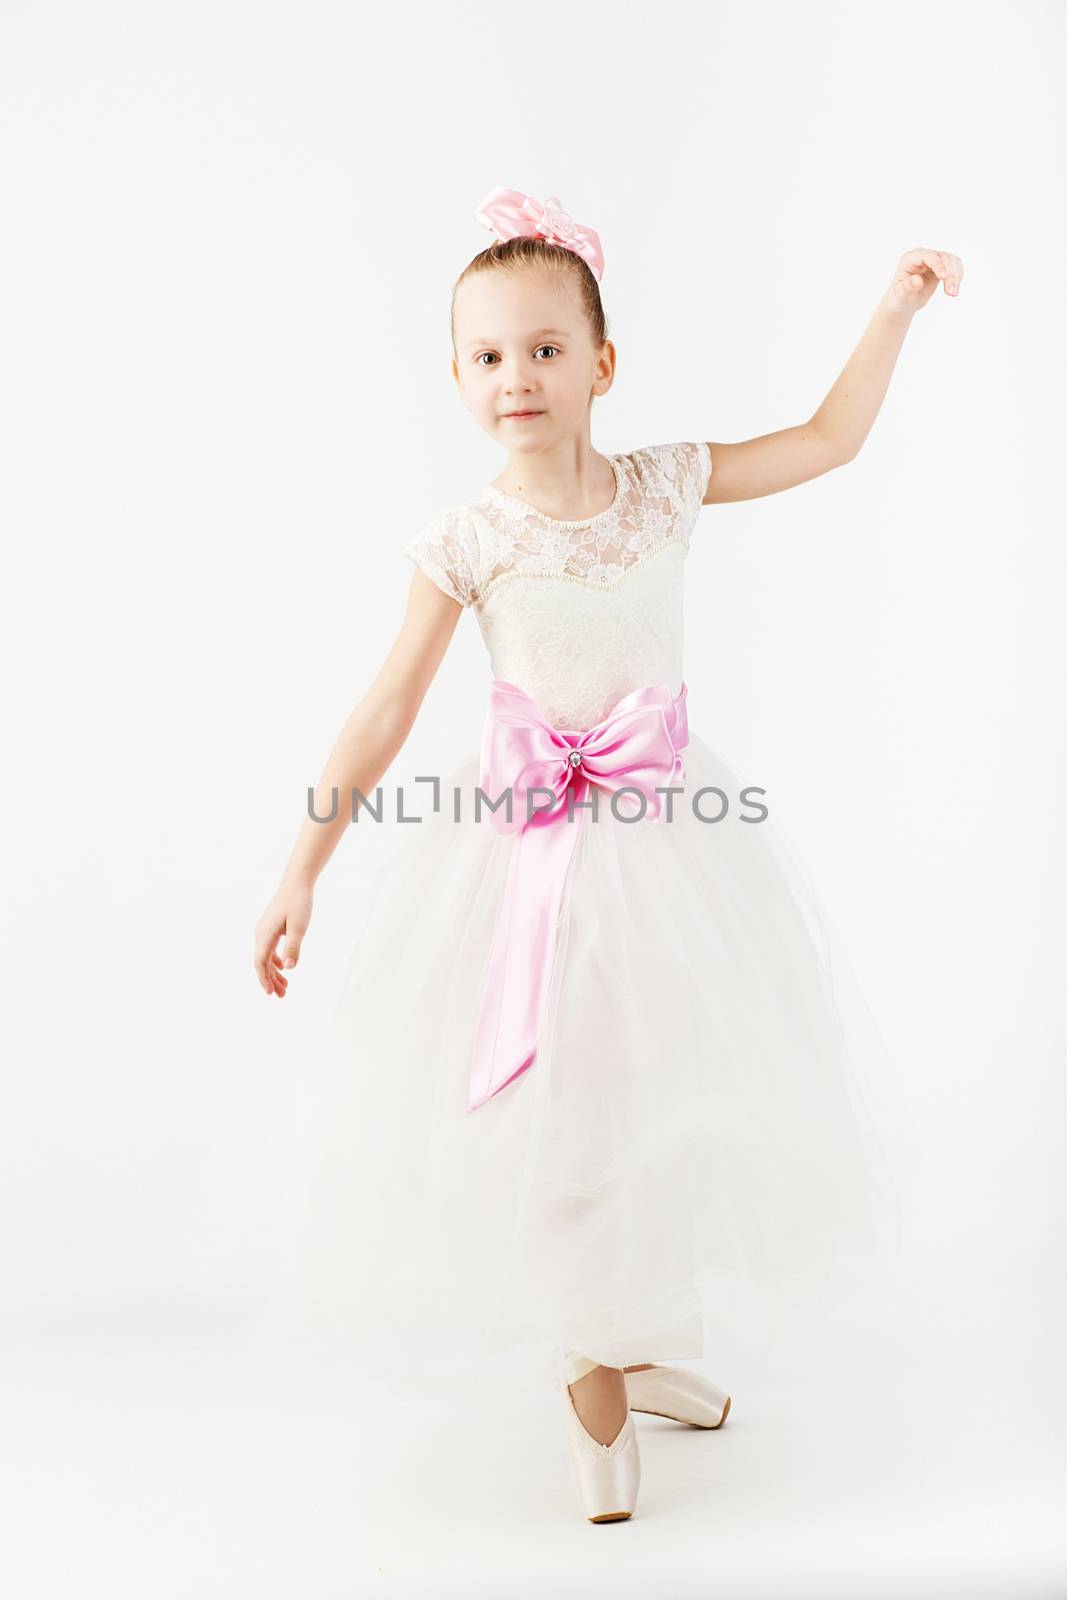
x=510 y=214
x=636 y=747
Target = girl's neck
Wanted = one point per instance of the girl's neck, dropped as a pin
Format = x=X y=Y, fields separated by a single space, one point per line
x=567 y=492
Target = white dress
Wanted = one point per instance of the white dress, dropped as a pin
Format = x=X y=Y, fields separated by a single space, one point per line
x=696 y=1115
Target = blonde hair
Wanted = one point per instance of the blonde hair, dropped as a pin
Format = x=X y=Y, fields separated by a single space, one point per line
x=511 y=255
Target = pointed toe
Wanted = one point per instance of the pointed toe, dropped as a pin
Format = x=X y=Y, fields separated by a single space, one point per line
x=607 y=1476
x=682 y=1396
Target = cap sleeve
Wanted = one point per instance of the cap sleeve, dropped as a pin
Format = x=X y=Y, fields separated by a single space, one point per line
x=692 y=470
x=681 y=471
x=446 y=551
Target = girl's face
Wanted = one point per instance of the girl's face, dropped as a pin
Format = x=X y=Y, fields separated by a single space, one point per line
x=523 y=345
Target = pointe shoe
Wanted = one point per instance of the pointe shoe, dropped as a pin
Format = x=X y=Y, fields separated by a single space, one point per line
x=606 y=1475
x=683 y=1396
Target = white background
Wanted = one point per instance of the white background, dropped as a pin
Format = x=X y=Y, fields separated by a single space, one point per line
x=229 y=237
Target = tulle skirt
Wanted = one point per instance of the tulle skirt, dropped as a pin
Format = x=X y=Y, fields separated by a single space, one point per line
x=701 y=1114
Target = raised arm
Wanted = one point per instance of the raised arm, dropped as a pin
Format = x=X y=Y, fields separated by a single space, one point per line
x=835 y=432
x=367 y=745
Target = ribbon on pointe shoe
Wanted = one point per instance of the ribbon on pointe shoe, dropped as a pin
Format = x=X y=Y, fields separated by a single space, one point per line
x=633 y=753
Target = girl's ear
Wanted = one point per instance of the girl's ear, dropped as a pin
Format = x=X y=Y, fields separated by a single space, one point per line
x=605 y=368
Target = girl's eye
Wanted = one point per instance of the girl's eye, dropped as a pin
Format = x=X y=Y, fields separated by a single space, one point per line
x=481 y=362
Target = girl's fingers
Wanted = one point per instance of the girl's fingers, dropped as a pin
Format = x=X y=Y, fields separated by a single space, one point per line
x=948 y=276
x=259 y=963
x=266 y=961
x=942 y=263
x=953 y=269
x=916 y=260
x=268 y=964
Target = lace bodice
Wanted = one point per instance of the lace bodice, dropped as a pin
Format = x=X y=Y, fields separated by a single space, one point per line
x=577 y=613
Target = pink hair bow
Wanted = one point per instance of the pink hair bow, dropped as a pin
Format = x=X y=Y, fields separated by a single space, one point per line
x=510 y=214
x=636 y=747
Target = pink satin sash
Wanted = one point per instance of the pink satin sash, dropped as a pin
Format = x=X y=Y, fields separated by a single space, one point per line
x=637 y=746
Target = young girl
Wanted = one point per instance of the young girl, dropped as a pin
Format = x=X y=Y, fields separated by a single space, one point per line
x=597 y=1031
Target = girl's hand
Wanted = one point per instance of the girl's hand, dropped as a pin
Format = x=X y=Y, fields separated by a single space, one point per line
x=288 y=913
x=917 y=276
